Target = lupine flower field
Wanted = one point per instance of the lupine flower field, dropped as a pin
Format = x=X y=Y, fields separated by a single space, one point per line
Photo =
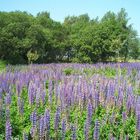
x=70 y=102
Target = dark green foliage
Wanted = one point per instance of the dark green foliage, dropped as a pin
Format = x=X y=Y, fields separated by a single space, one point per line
x=77 y=39
x=68 y=71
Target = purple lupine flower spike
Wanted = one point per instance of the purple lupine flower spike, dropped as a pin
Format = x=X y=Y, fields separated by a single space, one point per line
x=86 y=130
x=37 y=97
x=90 y=111
x=41 y=128
x=73 y=130
x=33 y=118
x=57 y=118
x=31 y=91
x=0 y=96
x=124 y=116
x=43 y=96
x=33 y=131
x=138 y=105
x=7 y=114
x=47 y=123
x=8 y=135
x=8 y=99
x=138 y=123
x=63 y=128
x=96 y=130
x=47 y=119
x=96 y=99
x=138 y=115
x=50 y=88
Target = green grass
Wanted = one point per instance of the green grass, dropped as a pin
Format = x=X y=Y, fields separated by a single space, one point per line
x=2 y=65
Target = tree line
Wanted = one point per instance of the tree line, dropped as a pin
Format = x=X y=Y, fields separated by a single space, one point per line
x=25 y=38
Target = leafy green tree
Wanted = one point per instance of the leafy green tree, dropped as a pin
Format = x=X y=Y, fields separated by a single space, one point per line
x=77 y=39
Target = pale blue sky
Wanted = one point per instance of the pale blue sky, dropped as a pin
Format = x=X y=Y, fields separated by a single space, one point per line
x=59 y=9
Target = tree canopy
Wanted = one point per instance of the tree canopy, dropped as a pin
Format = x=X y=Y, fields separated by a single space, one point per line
x=40 y=39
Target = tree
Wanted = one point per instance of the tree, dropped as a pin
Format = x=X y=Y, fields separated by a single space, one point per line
x=40 y=39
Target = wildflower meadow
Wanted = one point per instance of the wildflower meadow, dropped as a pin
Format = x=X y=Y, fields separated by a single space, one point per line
x=70 y=102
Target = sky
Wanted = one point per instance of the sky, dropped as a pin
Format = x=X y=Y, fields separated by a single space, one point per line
x=59 y=9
